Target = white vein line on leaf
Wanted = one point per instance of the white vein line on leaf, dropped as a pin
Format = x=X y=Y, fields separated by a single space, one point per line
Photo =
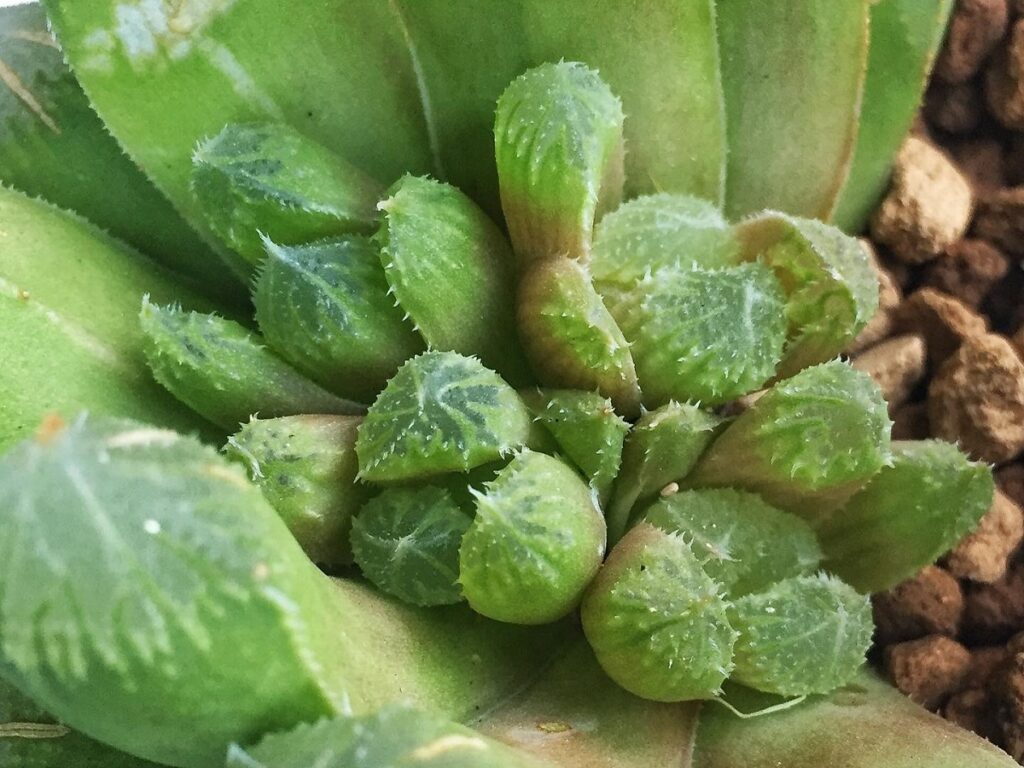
x=422 y=89
x=78 y=336
x=18 y=88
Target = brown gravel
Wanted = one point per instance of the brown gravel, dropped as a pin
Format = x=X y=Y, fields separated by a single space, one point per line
x=984 y=555
x=974 y=30
x=928 y=670
x=977 y=399
x=968 y=272
x=943 y=321
x=928 y=207
x=931 y=603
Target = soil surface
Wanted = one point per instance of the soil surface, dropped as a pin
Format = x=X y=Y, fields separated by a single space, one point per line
x=947 y=347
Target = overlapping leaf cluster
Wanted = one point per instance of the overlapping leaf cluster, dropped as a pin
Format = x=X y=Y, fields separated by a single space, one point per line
x=455 y=486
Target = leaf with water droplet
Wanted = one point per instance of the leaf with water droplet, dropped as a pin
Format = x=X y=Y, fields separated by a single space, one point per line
x=703 y=335
x=742 y=542
x=804 y=635
x=807 y=445
x=656 y=621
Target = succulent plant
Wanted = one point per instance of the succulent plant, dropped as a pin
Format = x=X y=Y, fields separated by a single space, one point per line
x=531 y=423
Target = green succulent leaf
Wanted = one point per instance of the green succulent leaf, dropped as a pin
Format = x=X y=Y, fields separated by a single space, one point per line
x=30 y=738
x=326 y=308
x=742 y=543
x=791 y=119
x=652 y=232
x=452 y=270
x=656 y=621
x=442 y=412
x=913 y=511
x=535 y=544
x=807 y=445
x=183 y=549
x=586 y=430
x=571 y=339
x=806 y=634
x=395 y=736
x=254 y=179
x=905 y=35
x=68 y=299
x=306 y=467
x=867 y=724
x=52 y=145
x=832 y=288
x=146 y=572
x=559 y=148
x=406 y=541
x=223 y=372
x=661 y=448
x=703 y=335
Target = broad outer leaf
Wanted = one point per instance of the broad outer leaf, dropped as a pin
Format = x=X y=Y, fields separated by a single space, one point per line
x=53 y=145
x=30 y=738
x=792 y=73
x=905 y=35
x=395 y=736
x=154 y=600
x=866 y=724
x=412 y=85
x=69 y=297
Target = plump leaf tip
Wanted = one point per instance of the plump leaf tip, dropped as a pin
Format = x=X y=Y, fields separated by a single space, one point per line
x=535 y=544
x=326 y=308
x=306 y=467
x=268 y=178
x=927 y=499
x=558 y=144
x=224 y=372
x=406 y=541
x=442 y=412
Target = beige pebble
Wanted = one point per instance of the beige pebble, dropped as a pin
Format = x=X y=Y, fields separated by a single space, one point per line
x=977 y=399
x=928 y=207
x=984 y=555
x=896 y=365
